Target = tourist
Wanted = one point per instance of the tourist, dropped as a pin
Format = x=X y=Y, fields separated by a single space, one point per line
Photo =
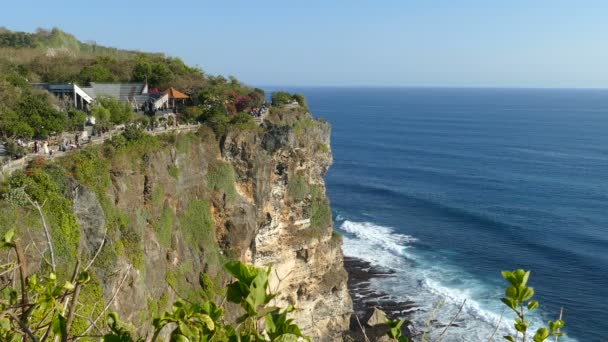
x=45 y=148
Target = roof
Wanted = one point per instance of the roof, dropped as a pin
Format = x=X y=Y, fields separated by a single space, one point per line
x=122 y=91
x=176 y=94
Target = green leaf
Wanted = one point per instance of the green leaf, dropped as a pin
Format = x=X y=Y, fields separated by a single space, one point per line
x=511 y=292
x=68 y=286
x=5 y=324
x=524 y=280
x=286 y=338
x=519 y=276
x=58 y=325
x=510 y=303
x=509 y=338
x=8 y=236
x=541 y=335
x=527 y=293
x=84 y=277
x=240 y=271
x=235 y=293
x=533 y=305
x=178 y=338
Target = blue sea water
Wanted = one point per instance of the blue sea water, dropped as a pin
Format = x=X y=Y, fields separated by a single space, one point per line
x=451 y=186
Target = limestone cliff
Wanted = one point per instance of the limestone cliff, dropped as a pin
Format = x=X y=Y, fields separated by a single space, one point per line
x=170 y=210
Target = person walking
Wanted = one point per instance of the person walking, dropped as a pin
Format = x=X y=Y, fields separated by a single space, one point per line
x=45 y=148
x=36 y=146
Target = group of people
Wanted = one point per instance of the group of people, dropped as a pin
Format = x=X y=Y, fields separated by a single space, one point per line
x=69 y=144
x=41 y=147
x=258 y=112
x=66 y=144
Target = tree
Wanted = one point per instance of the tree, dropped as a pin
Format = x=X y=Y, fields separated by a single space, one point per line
x=12 y=126
x=96 y=73
x=300 y=99
x=280 y=98
x=120 y=111
x=38 y=113
x=76 y=119
x=192 y=114
x=101 y=115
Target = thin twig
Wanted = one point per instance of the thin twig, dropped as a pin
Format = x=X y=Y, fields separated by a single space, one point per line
x=497 y=325
x=108 y=304
x=22 y=276
x=38 y=249
x=452 y=321
x=23 y=326
x=361 y=327
x=46 y=229
x=561 y=313
x=431 y=317
x=103 y=242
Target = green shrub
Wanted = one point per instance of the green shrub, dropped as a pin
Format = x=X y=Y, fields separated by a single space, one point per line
x=320 y=213
x=280 y=98
x=302 y=125
x=163 y=227
x=323 y=148
x=173 y=171
x=300 y=99
x=298 y=188
x=242 y=121
x=197 y=224
x=222 y=177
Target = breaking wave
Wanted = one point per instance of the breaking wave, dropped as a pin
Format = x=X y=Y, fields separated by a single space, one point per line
x=429 y=279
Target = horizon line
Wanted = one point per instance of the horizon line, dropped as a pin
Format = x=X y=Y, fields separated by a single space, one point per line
x=426 y=87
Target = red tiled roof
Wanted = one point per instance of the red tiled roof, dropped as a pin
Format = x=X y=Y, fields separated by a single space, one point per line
x=176 y=94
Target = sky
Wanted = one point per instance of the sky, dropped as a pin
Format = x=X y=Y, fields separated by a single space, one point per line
x=448 y=43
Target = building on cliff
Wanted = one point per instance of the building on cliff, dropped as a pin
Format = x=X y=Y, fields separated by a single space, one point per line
x=136 y=94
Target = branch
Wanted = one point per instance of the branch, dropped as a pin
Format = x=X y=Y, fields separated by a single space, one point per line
x=362 y=329
x=497 y=325
x=561 y=313
x=103 y=242
x=108 y=304
x=431 y=317
x=71 y=312
x=46 y=229
x=452 y=321
x=22 y=275
x=23 y=326
x=38 y=249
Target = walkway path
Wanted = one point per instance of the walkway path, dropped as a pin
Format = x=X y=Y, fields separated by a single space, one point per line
x=19 y=164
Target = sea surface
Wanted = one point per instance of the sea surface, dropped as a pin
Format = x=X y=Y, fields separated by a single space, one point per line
x=450 y=186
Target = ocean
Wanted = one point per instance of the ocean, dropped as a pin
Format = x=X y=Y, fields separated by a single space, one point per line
x=448 y=187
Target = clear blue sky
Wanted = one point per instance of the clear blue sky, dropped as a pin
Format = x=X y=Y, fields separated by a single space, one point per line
x=521 y=43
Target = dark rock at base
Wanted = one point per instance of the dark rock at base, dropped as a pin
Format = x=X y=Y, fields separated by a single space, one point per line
x=366 y=300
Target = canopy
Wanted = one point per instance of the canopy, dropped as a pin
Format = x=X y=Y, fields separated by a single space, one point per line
x=176 y=94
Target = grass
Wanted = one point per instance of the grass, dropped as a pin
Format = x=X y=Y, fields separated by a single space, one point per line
x=298 y=188
x=163 y=227
x=173 y=171
x=302 y=125
x=320 y=213
x=222 y=178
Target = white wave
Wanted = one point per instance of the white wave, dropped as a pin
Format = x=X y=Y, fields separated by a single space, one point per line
x=427 y=282
x=383 y=237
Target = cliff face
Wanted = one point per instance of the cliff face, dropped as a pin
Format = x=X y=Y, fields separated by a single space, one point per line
x=169 y=213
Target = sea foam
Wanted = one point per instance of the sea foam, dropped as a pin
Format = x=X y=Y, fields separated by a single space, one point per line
x=438 y=288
